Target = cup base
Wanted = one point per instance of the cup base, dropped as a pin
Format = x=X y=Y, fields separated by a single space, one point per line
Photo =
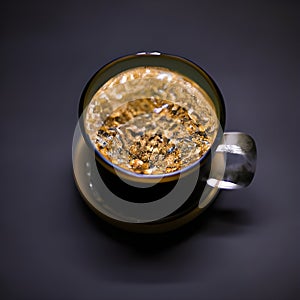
x=82 y=160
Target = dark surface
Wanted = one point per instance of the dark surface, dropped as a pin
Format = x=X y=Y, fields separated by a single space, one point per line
x=246 y=246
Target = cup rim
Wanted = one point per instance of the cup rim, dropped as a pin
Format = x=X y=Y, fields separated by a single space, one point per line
x=136 y=176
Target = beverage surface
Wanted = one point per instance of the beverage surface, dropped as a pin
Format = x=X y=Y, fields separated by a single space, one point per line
x=152 y=136
x=151 y=121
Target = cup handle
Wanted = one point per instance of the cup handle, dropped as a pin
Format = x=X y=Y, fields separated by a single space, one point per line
x=234 y=162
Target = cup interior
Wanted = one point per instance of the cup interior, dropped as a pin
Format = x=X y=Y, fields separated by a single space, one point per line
x=150 y=76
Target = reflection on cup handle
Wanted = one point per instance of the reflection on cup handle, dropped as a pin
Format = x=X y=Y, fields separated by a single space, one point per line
x=234 y=162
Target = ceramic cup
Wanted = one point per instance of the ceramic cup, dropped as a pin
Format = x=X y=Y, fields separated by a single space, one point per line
x=157 y=201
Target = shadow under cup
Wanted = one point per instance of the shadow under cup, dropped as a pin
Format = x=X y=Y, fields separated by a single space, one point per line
x=141 y=188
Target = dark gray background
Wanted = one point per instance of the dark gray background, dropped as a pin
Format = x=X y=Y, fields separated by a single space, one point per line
x=246 y=246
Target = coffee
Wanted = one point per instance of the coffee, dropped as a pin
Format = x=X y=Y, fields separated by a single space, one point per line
x=151 y=120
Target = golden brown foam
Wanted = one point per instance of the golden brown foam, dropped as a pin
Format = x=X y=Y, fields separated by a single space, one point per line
x=151 y=120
